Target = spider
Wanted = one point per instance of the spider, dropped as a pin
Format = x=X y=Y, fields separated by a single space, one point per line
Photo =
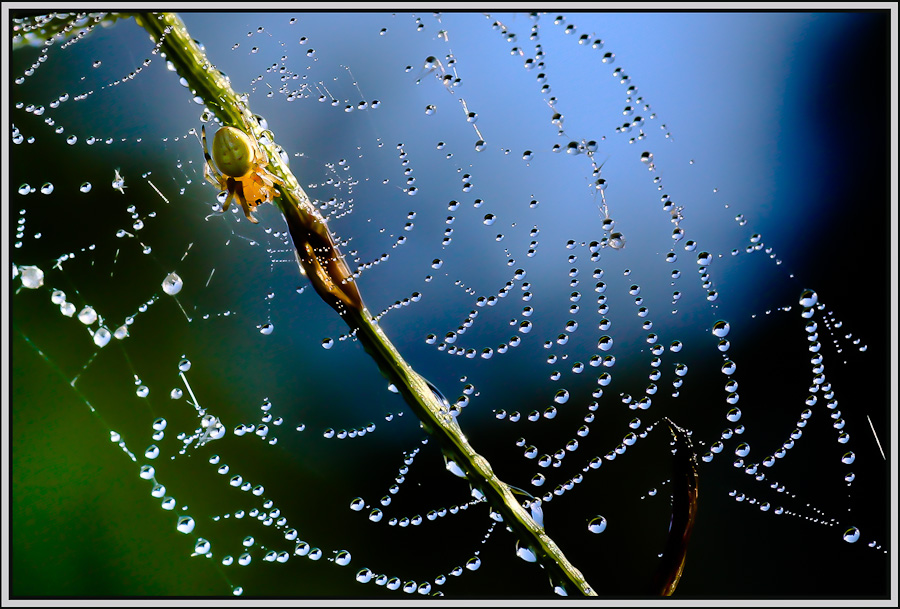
x=238 y=166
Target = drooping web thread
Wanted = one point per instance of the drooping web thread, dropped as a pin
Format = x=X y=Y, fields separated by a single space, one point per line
x=187 y=332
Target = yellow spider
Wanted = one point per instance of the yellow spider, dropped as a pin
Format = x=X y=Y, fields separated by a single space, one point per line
x=238 y=166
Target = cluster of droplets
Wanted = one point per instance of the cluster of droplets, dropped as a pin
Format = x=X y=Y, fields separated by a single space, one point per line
x=76 y=28
x=268 y=423
x=524 y=327
x=377 y=514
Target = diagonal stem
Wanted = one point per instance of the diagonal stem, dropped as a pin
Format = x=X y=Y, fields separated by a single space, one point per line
x=321 y=261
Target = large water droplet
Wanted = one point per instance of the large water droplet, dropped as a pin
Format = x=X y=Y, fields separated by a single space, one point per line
x=808 y=298
x=102 y=337
x=851 y=535
x=172 y=284
x=32 y=277
x=202 y=546
x=525 y=554
x=597 y=524
x=721 y=328
x=87 y=316
x=185 y=524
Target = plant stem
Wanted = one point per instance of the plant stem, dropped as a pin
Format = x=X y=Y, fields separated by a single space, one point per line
x=321 y=261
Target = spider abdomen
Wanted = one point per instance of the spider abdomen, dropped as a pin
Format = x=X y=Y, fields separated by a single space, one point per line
x=233 y=152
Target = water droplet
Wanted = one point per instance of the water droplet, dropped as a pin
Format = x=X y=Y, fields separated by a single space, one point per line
x=721 y=328
x=561 y=397
x=851 y=535
x=525 y=554
x=185 y=524
x=327 y=343
x=848 y=458
x=473 y=563
x=87 y=316
x=202 y=546
x=808 y=298
x=267 y=329
x=47 y=188
x=142 y=391
x=102 y=337
x=172 y=284
x=597 y=524
x=32 y=277
x=86 y=187
x=343 y=558
x=734 y=415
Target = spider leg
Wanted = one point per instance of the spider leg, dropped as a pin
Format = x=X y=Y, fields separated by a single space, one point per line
x=210 y=173
x=268 y=174
x=239 y=193
x=230 y=188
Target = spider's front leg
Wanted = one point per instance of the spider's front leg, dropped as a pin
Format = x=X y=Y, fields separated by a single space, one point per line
x=242 y=199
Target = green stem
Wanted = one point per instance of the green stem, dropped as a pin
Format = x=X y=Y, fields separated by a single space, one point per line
x=321 y=261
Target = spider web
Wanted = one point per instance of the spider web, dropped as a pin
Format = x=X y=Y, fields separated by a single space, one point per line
x=566 y=266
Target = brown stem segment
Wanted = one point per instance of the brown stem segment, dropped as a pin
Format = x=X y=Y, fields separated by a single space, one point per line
x=684 y=511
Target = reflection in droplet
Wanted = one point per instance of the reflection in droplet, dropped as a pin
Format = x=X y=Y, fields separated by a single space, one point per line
x=172 y=284
x=185 y=524
x=597 y=524
x=808 y=298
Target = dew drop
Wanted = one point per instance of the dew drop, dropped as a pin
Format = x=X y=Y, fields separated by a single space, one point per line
x=87 y=316
x=525 y=554
x=721 y=328
x=172 y=284
x=102 y=337
x=597 y=524
x=808 y=298
x=851 y=535
x=33 y=277
x=185 y=524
